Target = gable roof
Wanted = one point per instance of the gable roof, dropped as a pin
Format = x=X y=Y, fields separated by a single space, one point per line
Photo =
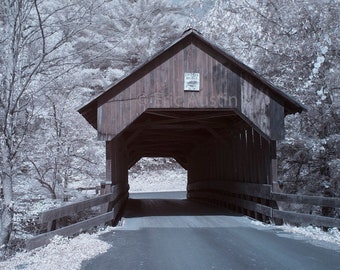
x=89 y=111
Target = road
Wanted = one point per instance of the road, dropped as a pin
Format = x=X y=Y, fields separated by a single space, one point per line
x=163 y=231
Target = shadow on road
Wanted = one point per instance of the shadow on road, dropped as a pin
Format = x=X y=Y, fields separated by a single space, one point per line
x=147 y=204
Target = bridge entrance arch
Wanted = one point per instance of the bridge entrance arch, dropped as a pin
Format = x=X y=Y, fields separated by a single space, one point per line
x=217 y=117
x=157 y=174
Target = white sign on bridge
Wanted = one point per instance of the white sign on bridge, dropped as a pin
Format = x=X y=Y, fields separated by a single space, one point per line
x=191 y=81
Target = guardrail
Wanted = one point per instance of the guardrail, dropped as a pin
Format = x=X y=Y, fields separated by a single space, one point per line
x=306 y=219
x=111 y=203
x=258 y=201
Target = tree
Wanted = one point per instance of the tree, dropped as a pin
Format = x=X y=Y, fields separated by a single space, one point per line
x=61 y=141
x=293 y=44
x=33 y=35
x=299 y=52
x=125 y=33
x=20 y=64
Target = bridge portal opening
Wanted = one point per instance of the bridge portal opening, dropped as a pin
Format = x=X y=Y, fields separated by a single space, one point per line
x=157 y=175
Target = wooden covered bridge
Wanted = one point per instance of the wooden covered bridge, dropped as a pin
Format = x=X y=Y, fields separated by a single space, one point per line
x=214 y=115
x=197 y=104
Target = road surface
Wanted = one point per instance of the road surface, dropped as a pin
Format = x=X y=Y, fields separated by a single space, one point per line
x=163 y=231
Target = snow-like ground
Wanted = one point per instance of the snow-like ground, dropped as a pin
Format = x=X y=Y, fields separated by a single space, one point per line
x=61 y=253
x=144 y=177
x=332 y=236
x=70 y=253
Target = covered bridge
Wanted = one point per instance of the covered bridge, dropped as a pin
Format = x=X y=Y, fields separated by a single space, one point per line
x=217 y=117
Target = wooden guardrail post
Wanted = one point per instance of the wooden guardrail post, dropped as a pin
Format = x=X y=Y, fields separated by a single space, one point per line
x=52 y=225
x=105 y=188
x=327 y=211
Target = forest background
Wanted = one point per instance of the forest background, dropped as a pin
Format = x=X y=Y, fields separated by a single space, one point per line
x=56 y=55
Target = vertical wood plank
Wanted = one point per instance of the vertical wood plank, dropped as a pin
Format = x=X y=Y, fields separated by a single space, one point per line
x=257 y=156
x=250 y=159
x=234 y=158
x=245 y=155
x=267 y=160
x=240 y=147
x=276 y=114
x=234 y=90
x=273 y=163
x=109 y=161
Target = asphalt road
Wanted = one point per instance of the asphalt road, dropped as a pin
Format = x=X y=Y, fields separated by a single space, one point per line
x=163 y=231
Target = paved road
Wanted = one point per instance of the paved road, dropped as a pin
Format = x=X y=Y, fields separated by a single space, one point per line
x=163 y=233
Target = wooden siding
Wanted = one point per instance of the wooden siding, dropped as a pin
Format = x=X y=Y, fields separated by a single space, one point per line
x=162 y=87
x=199 y=44
x=255 y=106
x=245 y=157
x=263 y=111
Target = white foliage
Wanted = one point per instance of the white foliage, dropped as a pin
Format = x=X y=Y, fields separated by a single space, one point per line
x=61 y=252
x=150 y=174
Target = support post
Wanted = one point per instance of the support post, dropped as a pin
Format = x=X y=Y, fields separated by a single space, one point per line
x=109 y=161
x=116 y=161
x=116 y=166
x=105 y=188
x=273 y=163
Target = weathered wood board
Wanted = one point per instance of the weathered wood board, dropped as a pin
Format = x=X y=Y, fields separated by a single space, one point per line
x=163 y=87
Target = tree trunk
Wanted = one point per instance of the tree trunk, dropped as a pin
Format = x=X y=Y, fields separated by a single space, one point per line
x=7 y=204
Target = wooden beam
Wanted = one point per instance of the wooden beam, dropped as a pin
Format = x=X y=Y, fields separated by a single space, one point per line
x=305 y=199
x=215 y=134
x=246 y=204
x=306 y=219
x=161 y=114
x=175 y=126
x=182 y=161
x=175 y=112
x=135 y=134
x=252 y=189
x=74 y=207
x=79 y=227
x=180 y=119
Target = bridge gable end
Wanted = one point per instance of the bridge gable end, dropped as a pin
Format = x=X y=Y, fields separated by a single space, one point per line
x=191 y=73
